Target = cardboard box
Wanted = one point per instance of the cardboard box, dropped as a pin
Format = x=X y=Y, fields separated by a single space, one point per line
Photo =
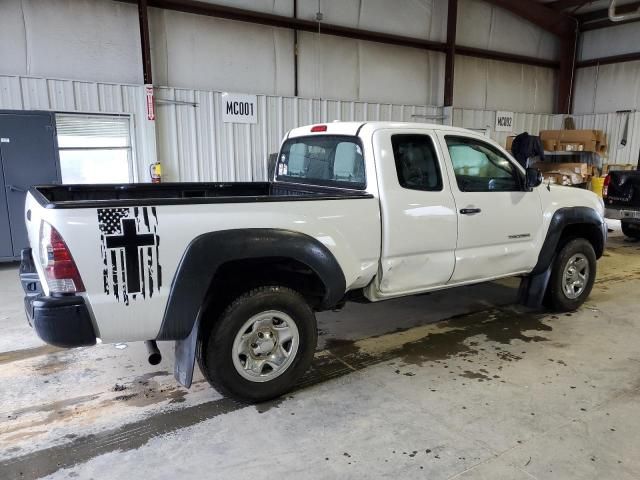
x=566 y=168
x=560 y=178
x=549 y=145
x=509 y=142
x=570 y=140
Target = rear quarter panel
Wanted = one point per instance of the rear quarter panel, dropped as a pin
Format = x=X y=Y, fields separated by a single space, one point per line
x=350 y=229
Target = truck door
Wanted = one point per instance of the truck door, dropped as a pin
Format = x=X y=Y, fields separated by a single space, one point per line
x=499 y=222
x=419 y=217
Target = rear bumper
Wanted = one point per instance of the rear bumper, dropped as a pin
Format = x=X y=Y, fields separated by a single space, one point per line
x=63 y=321
x=623 y=214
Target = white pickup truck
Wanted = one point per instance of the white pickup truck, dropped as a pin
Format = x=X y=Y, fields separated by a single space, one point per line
x=233 y=272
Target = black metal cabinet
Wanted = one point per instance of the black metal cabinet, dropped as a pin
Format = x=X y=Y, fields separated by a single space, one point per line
x=28 y=156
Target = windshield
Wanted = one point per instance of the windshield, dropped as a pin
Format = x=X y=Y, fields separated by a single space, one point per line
x=329 y=160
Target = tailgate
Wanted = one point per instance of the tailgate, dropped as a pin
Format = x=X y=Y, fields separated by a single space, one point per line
x=33 y=219
x=623 y=189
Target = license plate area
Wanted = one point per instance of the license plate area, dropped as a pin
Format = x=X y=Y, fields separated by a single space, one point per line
x=635 y=214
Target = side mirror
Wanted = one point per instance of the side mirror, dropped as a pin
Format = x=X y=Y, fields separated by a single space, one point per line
x=533 y=178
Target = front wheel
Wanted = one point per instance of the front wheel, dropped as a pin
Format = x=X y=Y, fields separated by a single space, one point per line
x=572 y=275
x=261 y=344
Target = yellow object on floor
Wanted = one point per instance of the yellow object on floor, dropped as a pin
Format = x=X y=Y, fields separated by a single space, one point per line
x=596 y=185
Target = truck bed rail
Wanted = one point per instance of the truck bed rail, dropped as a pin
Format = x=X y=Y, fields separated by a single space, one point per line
x=139 y=194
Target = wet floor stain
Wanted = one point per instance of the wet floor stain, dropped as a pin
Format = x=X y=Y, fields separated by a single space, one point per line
x=481 y=377
x=17 y=355
x=52 y=364
x=501 y=326
x=450 y=338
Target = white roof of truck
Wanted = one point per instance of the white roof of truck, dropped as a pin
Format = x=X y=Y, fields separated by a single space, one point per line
x=352 y=128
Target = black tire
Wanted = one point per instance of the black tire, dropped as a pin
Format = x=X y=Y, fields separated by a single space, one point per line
x=556 y=297
x=216 y=352
x=630 y=229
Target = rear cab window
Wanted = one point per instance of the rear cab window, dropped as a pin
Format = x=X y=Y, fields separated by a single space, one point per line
x=326 y=160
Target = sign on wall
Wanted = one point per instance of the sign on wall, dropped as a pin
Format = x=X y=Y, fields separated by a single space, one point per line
x=504 y=121
x=151 y=109
x=239 y=108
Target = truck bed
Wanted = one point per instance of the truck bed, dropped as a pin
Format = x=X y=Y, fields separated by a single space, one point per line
x=140 y=194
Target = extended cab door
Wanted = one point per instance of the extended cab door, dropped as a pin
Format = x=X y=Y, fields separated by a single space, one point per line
x=499 y=222
x=419 y=221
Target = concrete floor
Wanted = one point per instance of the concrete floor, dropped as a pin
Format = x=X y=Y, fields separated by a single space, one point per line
x=459 y=384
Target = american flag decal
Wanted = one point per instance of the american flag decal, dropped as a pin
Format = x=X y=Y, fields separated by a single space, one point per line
x=129 y=244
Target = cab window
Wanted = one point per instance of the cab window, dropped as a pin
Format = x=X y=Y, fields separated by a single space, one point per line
x=479 y=167
x=328 y=160
x=416 y=162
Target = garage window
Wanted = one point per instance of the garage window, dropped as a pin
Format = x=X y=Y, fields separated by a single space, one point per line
x=94 y=148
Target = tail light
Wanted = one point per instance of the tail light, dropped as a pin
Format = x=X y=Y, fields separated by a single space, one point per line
x=60 y=270
x=319 y=128
x=605 y=186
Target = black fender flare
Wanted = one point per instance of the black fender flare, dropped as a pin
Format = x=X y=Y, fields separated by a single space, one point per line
x=207 y=252
x=562 y=218
x=533 y=287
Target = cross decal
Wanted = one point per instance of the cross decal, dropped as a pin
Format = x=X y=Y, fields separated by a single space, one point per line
x=131 y=241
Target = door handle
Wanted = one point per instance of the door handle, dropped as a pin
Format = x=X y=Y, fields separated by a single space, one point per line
x=469 y=211
x=13 y=188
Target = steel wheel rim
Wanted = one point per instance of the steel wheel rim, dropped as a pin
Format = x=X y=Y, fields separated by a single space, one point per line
x=575 y=276
x=265 y=346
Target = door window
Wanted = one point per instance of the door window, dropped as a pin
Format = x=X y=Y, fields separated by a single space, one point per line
x=94 y=148
x=480 y=167
x=416 y=162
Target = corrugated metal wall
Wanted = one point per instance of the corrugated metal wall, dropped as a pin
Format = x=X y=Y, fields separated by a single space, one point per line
x=29 y=93
x=523 y=122
x=195 y=145
x=613 y=124
x=192 y=141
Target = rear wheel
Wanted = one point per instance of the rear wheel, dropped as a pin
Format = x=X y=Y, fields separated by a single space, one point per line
x=260 y=345
x=630 y=229
x=572 y=275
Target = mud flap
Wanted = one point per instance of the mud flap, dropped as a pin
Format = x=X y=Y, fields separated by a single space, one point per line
x=185 y=353
x=532 y=288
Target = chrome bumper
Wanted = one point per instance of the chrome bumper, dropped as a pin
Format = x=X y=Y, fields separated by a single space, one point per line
x=622 y=214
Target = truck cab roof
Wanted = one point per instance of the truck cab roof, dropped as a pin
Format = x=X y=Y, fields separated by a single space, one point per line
x=353 y=128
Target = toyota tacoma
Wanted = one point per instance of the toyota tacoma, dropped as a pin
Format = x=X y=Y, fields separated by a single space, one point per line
x=233 y=273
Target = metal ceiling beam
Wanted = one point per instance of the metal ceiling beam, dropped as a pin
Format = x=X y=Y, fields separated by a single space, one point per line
x=585 y=27
x=506 y=57
x=242 y=15
x=600 y=18
x=449 y=67
x=604 y=13
x=238 y=14
x=546 y=18
x=565 y=4
x=626 y=57
x=145 y=44
x=566 y=74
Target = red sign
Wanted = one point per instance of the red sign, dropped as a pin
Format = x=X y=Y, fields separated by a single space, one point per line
x=151 y=109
